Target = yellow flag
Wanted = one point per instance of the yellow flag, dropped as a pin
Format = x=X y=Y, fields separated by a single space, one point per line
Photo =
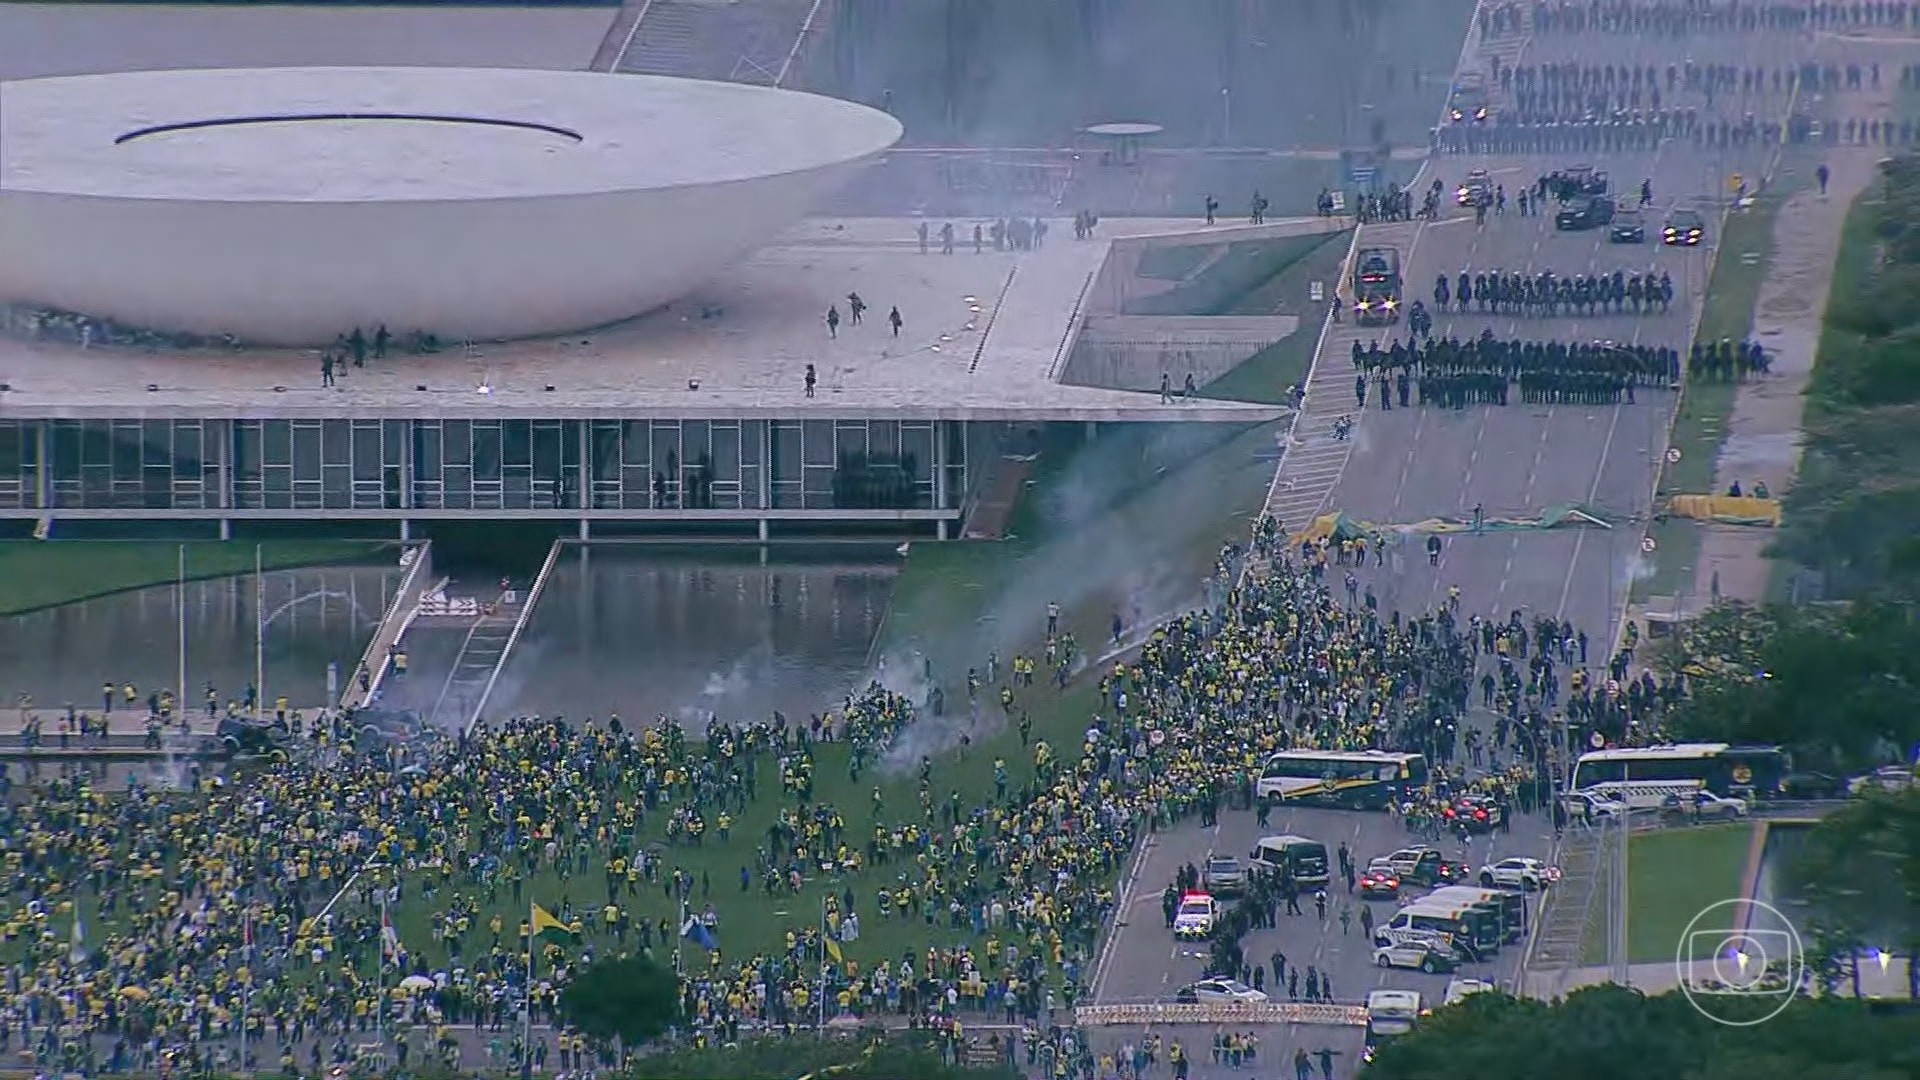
x=544 y=924
x=833 y=950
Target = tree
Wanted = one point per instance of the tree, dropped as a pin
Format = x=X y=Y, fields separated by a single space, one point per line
x=1607 y=1032
x=1858 y=880
x=631 y=999
x=1838 y=685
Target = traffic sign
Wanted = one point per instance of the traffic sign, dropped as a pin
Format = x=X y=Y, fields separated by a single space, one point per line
x=1362 y=175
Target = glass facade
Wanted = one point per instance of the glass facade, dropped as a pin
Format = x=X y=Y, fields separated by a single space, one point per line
x=481 y=465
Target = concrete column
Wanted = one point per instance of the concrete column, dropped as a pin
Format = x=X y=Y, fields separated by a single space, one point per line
x=763 y=530
x=406 y=529
x=226 y=528
x=1093 y=430
x=766 y=465
x=406 y=471
x=940 y=464
x=940 y=529
x=584 y=494
x=43 y=474
x=223 y=467
x=586 y=533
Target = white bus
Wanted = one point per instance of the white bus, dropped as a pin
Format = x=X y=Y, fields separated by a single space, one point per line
x=1643 y=777
x=1344 y=779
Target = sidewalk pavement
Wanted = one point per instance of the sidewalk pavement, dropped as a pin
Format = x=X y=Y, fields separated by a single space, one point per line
x=1763 y=439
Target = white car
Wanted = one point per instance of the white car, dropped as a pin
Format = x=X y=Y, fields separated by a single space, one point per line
x=1208 y=991
x=1412 y=954
x=1196 y=915
x=1461 y=989
x=1585 y=805
x=1885 y=778
x=1527 y=874
x=1704 y=805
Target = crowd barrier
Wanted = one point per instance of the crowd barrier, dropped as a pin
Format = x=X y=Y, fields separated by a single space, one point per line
x=1163 y=1013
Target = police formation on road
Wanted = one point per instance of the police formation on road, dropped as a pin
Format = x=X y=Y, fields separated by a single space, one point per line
x=1640 y=18
x=1453 y=373
x=1546 y=294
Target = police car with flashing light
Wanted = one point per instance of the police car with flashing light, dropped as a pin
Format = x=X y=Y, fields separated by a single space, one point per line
x=1196 y=915
x=1475 y=190
x=1685 y=228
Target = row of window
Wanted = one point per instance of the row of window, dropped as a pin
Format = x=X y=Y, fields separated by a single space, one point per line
x=480 y=465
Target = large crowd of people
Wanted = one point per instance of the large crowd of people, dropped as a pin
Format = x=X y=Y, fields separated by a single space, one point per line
x=255 y=902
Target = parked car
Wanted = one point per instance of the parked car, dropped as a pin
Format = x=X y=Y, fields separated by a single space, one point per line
x=1418 y=955
x=1812 y=785
x=1223 y=875
x=1208 y=991
x=1517 y=873
x=1587 y=213
x=1629 y=227
x=1702 y=806
x=1885 y=778
x=1380 y=882
x=1593 y=808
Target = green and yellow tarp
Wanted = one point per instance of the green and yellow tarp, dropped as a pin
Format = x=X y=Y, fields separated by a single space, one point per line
x=1338 y=526
x=1726 y=509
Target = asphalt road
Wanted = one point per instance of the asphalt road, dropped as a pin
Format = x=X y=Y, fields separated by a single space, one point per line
x=1411 y=464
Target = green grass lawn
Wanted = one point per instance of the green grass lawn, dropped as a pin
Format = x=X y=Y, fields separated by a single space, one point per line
x=1196 y=488
x=44 y=574
x=1177 y=494
x=1700 y=428
x=1266 y=375
x=1173 y=262
x=1672 y=875
x=1227 y=284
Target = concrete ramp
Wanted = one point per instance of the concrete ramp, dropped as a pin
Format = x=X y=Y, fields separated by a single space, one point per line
x=1131 y=352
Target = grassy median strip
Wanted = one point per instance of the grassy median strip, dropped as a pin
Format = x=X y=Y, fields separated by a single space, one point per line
x=1700 y=428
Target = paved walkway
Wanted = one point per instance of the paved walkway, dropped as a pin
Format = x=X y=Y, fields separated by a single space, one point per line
x=1763 y=441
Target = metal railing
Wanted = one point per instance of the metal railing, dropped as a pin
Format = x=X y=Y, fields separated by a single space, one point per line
x=1076 y=320
x=1162 y=1013
x=799 y=43
x=376 y=660
x=519 y=625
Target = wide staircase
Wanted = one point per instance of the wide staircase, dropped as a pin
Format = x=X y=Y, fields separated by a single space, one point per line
x=473 y=668
x=1561 y=936
x=749 y=41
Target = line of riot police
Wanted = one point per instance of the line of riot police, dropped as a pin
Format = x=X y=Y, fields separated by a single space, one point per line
x=1546 y=294
x=1676 y=17
x=1727 y=361
x=1454 y=373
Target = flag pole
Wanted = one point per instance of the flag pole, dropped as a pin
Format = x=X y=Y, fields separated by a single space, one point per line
x=180 y=632
x=246 y=994
x=823 y=962
x=526 y=1014
x=259 y=633
x=380 y=998
x=679 y=935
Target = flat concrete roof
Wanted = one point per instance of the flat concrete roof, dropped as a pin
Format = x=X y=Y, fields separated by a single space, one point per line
x=746 y=339
x=362 y=134
x=40 y=40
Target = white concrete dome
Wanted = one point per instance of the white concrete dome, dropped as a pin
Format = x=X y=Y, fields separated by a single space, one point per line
x=286 y=205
